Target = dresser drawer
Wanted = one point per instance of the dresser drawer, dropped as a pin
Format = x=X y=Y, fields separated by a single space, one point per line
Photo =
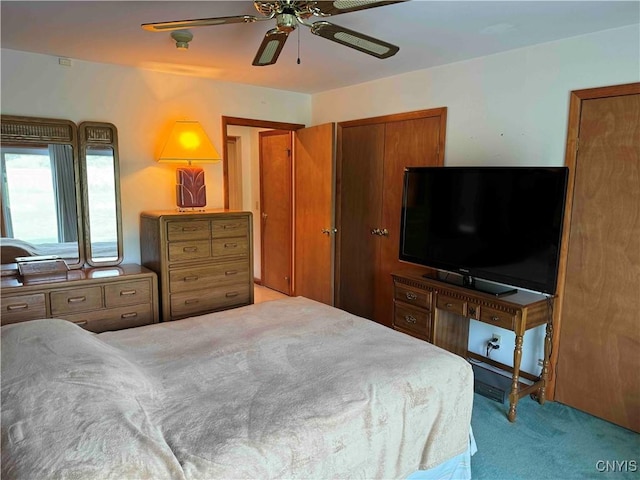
x=497 y=318
x=20 y=308
x=127 y=293
x=412 y=296
x=450 y=304
x=189 y=230
x=183 y=251
x=186 y=279
x=229 y=227
x=412 y=319
x=230 y=247
x=75 y=300
x=113 y=318
x=192 y=303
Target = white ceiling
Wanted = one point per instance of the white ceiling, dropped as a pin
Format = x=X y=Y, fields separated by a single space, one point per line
x=429 y=33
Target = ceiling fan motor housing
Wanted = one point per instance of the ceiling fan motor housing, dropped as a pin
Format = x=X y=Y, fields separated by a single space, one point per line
x=286 y=22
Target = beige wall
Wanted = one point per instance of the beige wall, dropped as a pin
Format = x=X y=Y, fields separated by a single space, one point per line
x=143 y=105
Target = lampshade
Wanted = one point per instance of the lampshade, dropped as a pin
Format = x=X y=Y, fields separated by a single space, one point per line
x=188 y=143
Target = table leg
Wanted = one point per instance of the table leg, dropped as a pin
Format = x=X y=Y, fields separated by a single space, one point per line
x=513 y=396
x=545 y=364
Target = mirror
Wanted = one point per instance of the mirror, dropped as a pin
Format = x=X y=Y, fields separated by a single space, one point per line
x=60 y=196
x=40 y=190
x=101 y=193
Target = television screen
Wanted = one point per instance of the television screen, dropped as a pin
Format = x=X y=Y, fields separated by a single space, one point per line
x=501 y=224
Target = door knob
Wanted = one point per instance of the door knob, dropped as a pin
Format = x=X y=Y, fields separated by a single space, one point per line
x=264 y=216
x=329 y=231
x=384 y=232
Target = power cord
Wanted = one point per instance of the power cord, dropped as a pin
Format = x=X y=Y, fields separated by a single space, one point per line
x=492 y=345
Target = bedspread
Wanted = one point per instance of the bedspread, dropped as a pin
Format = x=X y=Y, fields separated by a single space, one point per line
x=284 y=389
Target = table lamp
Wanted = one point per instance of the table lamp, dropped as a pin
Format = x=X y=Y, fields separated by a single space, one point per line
x=189 y=143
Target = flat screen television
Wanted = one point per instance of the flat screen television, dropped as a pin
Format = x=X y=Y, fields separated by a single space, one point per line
x=501 y=224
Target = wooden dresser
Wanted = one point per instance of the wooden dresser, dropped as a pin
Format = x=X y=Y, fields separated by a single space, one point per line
x=203 y=259
x=439 y=313
x=98 y=299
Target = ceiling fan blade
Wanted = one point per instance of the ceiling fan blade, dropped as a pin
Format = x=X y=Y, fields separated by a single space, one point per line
x=270 y=48
x=345 y=6
x=201 y=22
x=359 y=41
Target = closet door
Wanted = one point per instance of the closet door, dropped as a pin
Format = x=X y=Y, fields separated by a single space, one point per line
x=372 y=156
x=408 y=143
x=359 y=208
x=598 y=357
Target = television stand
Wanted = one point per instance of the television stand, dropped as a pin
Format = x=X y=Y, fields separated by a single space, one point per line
x=439 y=312
x=467 y=281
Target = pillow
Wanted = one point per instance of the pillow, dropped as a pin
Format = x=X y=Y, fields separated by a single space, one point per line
x=75 y=407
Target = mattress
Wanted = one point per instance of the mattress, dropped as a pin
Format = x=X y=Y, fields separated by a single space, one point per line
x=284 y=389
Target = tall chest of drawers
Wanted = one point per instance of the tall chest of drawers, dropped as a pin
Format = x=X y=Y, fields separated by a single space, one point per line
x=204 y=260
x=96 y=298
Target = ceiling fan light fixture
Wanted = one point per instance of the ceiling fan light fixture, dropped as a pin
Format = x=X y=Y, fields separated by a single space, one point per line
x=182 y=39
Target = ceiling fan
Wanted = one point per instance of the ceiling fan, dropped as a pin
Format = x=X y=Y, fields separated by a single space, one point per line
x=290 y=13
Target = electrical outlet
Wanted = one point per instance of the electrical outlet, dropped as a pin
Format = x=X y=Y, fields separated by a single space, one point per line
x=540 y=362
x=495 y=338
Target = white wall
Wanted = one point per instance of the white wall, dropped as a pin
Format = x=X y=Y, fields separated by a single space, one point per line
x=143 y=105
x=504 y=109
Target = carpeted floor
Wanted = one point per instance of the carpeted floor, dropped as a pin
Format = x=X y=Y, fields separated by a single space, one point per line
x=550 y=441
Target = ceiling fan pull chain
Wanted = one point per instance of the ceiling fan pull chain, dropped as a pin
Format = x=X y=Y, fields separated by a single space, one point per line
x=298 y=62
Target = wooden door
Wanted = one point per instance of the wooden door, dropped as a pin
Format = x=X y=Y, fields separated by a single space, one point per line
x=372 y=155
x=359 y=207
x=598 y=359
x=276 y=209
x=313 y=217
x=408 y=143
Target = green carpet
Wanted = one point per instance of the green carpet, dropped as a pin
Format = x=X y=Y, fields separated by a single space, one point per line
x=550 y=441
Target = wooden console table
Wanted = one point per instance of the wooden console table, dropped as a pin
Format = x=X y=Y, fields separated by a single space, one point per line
x=439 y=313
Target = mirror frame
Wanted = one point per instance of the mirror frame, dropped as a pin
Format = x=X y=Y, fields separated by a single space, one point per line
x=30 y=131
x=103 y=135
x=25 y=131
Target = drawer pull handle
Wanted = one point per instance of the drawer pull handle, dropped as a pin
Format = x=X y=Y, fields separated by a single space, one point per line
x=80 y=322
x=129 y=315
x=233 y=226
x=230 y=245
x=410 y=319
x=76 y=299
x=231 y=272
x=495 y=319
x=411 y=296
x=18 y=306
x=191 y=278
x=449 y=305
x=189 y=249
x=189 y=229
x=191 y=301
x=126 y=293
x=232 y=294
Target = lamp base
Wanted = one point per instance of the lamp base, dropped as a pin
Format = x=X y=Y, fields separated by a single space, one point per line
x=191 y=191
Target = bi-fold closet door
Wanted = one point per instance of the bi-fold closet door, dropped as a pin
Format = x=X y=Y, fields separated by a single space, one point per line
x=371 y=157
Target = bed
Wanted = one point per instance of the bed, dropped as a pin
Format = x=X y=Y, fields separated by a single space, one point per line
x=283 y=389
